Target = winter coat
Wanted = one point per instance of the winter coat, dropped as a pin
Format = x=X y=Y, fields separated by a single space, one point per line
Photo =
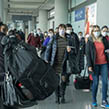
x=34 y=41
x=51 y=51
x=91 y=51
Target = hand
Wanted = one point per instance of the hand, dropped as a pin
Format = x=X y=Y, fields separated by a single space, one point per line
x=63 y=78
x=68 y=49
x=107 y=51
x=46 y=61
x=90 y=69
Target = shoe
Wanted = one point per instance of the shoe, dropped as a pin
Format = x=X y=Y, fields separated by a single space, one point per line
x=63 y=100
x=105 y=104
x=57 y=100
x=94 y=104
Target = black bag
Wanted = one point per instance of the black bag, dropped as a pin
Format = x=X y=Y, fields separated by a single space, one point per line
x=82 y=82
x=9 y=94
x=38 y=77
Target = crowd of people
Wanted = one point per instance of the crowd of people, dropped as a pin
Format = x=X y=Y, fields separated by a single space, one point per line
x=65 y=50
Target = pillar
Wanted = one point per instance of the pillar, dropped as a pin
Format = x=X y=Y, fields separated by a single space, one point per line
x=43 y=20
x=30 y=26
x=61 y=12
x=102 y=12
x=1 y=10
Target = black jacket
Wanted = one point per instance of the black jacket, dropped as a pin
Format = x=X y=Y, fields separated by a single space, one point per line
x=91 y=51
x=75 y=41
x=81 y=53
x=2 y=70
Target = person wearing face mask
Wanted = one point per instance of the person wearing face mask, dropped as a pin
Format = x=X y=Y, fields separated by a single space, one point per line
x=3 y=33
x=75 y=44
x=81 y=52
x=34 y=40
x=97 y=64
x=56 y=55
x=104 y=32
x=46 y=43
x=39 y=32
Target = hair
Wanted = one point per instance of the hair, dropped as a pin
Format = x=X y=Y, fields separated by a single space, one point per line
x=1 y=23
x=62 y=25
x=104 y=27
x=51 y=30
x=80 y=32
x=95 y=26
x=57 y=27
x=5 y=28
x=68 y=25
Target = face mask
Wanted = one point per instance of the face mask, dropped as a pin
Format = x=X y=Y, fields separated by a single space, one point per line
x=38 y=32
x=35 y=35
x=46 y=34
x=69 y=31
x=50 y=34
x=61 y=32
x=80 y=36
x=96 y=34
x=104 y=34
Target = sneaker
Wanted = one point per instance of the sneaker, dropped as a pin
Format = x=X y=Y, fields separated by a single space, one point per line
x=105 y=104
x=94 y=104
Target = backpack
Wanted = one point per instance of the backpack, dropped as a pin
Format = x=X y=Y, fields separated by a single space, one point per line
x=28 y=71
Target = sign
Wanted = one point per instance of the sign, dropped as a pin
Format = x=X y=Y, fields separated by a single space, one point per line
x=90 y=18
x=21 y=17
x=80 y=14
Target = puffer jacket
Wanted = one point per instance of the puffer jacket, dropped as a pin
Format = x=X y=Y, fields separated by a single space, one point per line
x=51 y=51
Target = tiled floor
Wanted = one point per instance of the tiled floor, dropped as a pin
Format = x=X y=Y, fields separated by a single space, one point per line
x=75 y=99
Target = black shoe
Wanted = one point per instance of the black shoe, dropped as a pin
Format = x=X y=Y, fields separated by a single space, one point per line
x=63 y=100
x=57 y=100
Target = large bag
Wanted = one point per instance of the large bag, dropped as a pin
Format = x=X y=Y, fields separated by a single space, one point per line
x=82 y=82
x=29 y=70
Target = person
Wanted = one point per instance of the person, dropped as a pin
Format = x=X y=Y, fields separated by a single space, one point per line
x=97 y=64
x=81 y=53
x=104 y=32
x=3 y=33
x=34 y=40
x=39 y=32
x=56 y=30
x=46 y=43
x=45 y=35
x=56 y=55
x=75 y=44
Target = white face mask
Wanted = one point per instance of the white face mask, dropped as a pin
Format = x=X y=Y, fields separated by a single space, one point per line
x=38 y=32
x=68 y=31
x=35 y=34
x=104 y=34
x=96 y=34
x=61 y=32
x=80 y=36
x=50 y=34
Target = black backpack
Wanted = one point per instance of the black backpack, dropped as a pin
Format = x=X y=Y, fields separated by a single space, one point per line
x=28 y=70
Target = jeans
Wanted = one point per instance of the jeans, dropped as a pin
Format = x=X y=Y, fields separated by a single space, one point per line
x=103 y=70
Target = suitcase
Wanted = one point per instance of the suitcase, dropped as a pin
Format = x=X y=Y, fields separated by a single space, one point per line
x=82 y=82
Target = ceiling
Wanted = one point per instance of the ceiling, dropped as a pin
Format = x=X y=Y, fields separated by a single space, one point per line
x=28 y=7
